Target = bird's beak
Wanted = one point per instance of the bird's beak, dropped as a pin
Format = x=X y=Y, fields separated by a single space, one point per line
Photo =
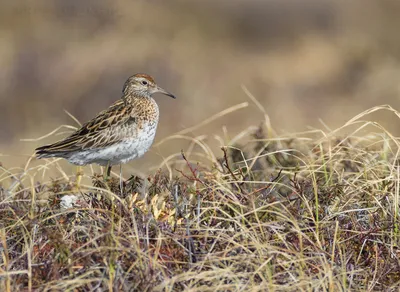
x=163 y=91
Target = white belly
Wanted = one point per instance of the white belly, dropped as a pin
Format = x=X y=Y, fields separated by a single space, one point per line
x=121 y=152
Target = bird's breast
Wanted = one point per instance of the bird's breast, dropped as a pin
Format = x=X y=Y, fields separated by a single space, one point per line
x=143 y=140
x=145 y=110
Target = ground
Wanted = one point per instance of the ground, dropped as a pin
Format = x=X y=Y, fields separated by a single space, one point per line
x=314 y=211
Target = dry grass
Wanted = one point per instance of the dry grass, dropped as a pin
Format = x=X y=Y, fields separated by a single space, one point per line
x=311 y=211
x=304 y=60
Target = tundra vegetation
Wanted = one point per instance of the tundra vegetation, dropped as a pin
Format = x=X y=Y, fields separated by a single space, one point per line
x=315 y=211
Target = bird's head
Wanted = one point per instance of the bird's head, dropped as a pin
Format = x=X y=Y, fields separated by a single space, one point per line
x=143 y=85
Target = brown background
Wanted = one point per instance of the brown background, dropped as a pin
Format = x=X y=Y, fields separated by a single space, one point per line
x=303 y=60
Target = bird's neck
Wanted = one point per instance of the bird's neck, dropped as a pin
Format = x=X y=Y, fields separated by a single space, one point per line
x=136 y=97
x=142 y=104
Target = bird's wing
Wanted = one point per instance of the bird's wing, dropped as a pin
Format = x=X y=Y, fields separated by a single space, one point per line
x=97 y=133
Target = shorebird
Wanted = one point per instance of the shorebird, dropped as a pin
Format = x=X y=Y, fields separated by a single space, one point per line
x=122 y=132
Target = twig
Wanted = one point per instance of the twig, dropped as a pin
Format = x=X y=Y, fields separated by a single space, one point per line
x=193 y=171
x=230 y=170
x=266 y=187
x=175 y=196
x=192 y=257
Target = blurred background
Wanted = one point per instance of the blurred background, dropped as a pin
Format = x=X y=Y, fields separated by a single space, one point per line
x=305 y=61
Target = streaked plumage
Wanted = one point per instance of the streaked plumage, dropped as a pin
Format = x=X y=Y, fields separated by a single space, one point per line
x=118 y=134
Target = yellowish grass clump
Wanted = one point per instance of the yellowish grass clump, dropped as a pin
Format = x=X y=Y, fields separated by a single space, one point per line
x=317 y=210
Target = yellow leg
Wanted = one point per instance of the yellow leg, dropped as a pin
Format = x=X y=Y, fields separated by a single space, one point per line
x=79 y=174
x=107 y=172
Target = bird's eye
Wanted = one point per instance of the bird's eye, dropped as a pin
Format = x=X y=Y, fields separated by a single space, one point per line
x=144 y=82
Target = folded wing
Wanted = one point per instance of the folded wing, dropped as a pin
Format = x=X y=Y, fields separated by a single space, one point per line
x=97 y=133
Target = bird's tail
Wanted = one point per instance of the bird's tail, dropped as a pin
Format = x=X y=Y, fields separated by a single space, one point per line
x=59 y=149
x=46 y=152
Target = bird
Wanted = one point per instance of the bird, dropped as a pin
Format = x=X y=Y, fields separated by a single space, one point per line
x=122 y=132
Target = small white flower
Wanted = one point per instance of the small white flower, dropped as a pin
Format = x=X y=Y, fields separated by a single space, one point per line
x=68 y=201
